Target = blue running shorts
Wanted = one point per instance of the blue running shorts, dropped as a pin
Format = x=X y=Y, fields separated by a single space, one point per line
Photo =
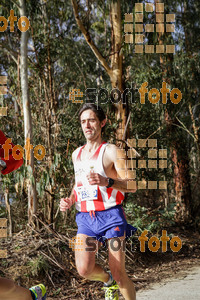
x=104 y=224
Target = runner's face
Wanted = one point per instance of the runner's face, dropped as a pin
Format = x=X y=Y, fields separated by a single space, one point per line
x=90 y=124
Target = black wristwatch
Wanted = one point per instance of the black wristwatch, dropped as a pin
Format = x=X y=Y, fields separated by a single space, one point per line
x=110 y=182
x=2 y=165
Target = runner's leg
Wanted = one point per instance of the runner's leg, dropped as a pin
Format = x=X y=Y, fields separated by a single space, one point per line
x=117 y=267
x=85 y=260
x=9 y=291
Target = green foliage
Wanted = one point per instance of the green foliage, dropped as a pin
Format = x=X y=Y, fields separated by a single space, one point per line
x=144 y=219
x=4 y=263
x=38 y=266
x=57 y=48
x=57 y=292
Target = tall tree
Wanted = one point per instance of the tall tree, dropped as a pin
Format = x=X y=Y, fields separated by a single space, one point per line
x=114 y=68
x=32 y=197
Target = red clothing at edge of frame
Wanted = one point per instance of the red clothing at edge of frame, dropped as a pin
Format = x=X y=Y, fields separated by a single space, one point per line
x=12 y=163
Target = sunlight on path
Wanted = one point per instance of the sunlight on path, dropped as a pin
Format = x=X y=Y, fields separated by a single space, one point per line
x=175 y=289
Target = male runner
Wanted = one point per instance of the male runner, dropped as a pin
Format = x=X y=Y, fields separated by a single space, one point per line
x=8 y=289
x=98 y=195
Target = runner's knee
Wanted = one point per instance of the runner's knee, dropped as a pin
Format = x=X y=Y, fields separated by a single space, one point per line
x=85 y=270
x=6 y=287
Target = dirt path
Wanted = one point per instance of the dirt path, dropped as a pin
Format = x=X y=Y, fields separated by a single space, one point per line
x=185 y=286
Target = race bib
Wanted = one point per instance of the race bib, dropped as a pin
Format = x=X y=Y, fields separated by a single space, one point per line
x=86 y=193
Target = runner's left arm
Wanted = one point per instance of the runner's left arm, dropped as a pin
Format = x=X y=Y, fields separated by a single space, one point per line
x=112 y=161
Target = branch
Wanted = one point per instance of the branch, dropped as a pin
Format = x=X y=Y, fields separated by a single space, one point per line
x=52 y=195
x=159 y=128
x=184 y=127
x=13 y=1
x=89 y=40
x=11 y=52
x=129 y=116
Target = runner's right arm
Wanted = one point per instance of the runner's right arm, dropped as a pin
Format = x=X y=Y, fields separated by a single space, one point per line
x=66 y=203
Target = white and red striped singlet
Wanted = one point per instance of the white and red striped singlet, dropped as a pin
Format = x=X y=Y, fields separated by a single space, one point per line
x=93 y=197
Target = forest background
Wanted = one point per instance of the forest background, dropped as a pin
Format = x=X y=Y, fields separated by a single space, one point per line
x=81 y=45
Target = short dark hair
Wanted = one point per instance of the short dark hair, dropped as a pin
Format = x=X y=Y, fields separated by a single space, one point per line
x=96 y=109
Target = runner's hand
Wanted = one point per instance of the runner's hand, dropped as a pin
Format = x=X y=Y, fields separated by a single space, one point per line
x=95 y=178
x=65 y=203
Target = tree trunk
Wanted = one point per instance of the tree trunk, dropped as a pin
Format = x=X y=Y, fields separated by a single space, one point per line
x=182 y=185
x=115 y=70
x=116 y=76
x=7 y=202
x=51 y=122
x=32 y=198
x=182 y=188
x=181 y=164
